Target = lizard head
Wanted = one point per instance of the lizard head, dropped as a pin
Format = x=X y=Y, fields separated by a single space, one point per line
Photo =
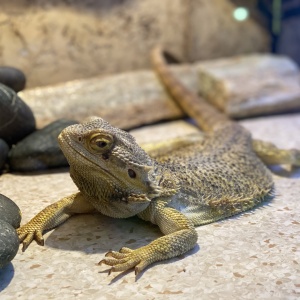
x=109 y=158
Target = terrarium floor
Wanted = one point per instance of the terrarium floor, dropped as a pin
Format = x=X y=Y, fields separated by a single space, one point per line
x=252 y=256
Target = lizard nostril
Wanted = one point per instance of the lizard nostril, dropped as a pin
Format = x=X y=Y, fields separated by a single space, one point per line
x=105 y=156
x=131 y=173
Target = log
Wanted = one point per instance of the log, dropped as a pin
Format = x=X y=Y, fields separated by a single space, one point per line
x=251 y=85
x=241 y=86
x=126 y=100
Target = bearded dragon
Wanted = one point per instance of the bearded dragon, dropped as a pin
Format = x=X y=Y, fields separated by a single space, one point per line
x=179 y=189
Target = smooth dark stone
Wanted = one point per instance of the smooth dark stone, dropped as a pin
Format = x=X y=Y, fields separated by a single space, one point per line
x=3 y=153
x=40 y=150
x=9 y=211
x=13 y=78
x=9 y=243
x=16 y=118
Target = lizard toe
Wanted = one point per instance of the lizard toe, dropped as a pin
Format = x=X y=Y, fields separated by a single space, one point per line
x=125 y=250
x=118 y=265
x=21 y=234
x=141 y=266
x=126 y=259
x=27 y=236
x=123 y=266
x=112 y=261
x=115 y=254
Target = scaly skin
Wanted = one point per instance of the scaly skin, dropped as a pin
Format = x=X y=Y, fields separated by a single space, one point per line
x=192 y=184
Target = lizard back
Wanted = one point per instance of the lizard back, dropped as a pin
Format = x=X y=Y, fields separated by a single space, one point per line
x=221 y=176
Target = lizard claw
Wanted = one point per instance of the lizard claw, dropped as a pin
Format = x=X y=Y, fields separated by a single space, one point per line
x=126 y=259
x=110 y=270
x=27 y=235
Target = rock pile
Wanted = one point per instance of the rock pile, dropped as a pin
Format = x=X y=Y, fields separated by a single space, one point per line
x=10 y=219
x=22 y=147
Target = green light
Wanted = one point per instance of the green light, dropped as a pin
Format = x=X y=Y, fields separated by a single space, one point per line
x=241 y=14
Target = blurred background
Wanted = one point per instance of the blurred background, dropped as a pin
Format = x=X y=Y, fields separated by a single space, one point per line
x=58 y=40
x=281 y=18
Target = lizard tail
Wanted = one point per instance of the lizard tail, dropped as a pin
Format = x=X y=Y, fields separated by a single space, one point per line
x=205 y=115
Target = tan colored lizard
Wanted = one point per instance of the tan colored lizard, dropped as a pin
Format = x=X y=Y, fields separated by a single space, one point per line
x=182 y=188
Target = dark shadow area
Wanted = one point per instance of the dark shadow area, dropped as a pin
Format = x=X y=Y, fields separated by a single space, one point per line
x=293 y=172
x=6 y=275
x=171 y=59
x=283 y=112
x=262 y=205
x=43 y=172
x=96 y=233
x=89 y=5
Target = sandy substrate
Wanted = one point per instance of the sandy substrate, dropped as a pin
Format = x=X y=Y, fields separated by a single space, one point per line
x=252 y=256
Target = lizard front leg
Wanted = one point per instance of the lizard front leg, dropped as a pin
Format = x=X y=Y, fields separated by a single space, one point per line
x=180 y=236
x=52 y=216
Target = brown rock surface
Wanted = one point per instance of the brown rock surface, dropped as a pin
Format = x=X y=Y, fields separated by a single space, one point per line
x=54 y=41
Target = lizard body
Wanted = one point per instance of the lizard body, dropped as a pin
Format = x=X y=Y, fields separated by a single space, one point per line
x=177 y=190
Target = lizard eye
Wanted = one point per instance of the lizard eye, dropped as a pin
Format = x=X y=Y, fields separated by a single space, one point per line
x=100 y=143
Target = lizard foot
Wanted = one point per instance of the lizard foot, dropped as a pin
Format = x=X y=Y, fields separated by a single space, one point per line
x=126 y=259
x=28 y=233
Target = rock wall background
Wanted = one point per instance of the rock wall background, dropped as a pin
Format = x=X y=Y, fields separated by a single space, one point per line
x=58 y=40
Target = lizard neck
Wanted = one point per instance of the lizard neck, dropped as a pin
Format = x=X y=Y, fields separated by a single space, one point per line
x=167 y=181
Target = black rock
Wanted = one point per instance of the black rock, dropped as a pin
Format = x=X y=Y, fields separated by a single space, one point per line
x=40 y=150
x=3 y=153
x=9 y=211
x=16 y=118
x=9 y=243
x=13 y=78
